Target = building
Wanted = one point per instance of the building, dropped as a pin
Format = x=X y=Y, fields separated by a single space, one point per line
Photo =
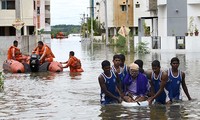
x=174 y=20
x=43 y=14
x=27 y=13
x=116 y=14
x=8 y=17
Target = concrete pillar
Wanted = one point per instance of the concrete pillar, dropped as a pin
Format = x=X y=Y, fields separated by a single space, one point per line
x=25 y=30
x=139 y=30
x=115 y=31
x=18 y=16
x=155 y=26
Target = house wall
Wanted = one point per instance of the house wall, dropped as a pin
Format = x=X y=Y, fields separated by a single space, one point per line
x=141 y=12
x=194 y=11
x=169 y=44
x=176 y=17
x=162 y=20
x=120 y=16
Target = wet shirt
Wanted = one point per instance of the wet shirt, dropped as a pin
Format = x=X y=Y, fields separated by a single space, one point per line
x=121 y=77
x=111 y=85
x=163 y=97
x=138 y=87
x=124 y=71
x=174 y=85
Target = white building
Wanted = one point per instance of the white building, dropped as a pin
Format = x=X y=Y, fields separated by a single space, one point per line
x=175 y=18
x=25 y=11
x=27 y=15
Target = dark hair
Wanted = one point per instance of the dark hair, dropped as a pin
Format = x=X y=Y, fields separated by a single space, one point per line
x=116 y=56
x=175 y=59
x=155 y=63
x=40 y=42
x=122 y=57
x=139 y=63
x=71 y=53
x=15 y=42
x=105 y=63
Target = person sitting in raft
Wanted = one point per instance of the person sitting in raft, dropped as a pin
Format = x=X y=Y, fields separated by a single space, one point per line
x=136 y=85
x=45 y=53
x=73 y=63
x=110 y=85
x=15 y=54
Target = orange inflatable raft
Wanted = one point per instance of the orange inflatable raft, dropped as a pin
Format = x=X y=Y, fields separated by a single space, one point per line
x=13 y=66
x=55 y=67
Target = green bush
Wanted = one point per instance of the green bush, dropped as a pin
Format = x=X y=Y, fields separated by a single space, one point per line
x=1 y=81
x=121 y=41
x=142 y=48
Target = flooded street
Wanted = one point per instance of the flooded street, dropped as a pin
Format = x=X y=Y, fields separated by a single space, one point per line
x=61 y=96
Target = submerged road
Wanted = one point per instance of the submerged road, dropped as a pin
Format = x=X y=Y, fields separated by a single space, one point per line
x=66 y=96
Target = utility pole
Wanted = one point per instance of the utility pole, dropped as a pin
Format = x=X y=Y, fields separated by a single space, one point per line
x=87 y=26
x=127 y=24
x=18 y=17
x=106 y=21
x=36 y=20
x=91 y=18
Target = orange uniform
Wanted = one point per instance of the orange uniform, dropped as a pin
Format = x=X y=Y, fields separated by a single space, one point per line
x=46 y=52
x=14 y=53
x=71 y=63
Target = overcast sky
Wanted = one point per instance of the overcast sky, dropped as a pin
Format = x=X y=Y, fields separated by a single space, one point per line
x=68 y=11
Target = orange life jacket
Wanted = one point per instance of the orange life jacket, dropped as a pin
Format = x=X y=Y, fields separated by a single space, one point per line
x=74 y=64
x=48 y=53
x=17 y=53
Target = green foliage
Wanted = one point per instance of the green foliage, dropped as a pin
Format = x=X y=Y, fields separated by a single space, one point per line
x=66 y=29
x=146 y=29
x=121 y=41
x=1 y=81
x=142 y=48
x=96 y=27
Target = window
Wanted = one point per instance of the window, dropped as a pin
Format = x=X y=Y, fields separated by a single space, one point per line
x=137 y=5
x=8 y=4
x=38 y=10
x=2 y=31
x=123 y=7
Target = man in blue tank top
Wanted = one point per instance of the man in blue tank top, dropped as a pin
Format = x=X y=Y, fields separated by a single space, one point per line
x=158 y=82
x=110 y=85
x=176 y=79
x=124 y=69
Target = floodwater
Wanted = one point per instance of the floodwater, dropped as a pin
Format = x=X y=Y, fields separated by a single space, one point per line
x=61 y=96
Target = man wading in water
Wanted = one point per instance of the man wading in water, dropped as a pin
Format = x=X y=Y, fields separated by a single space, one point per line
x=110 y=85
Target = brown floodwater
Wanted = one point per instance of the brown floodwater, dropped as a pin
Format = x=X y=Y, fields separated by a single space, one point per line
x=65 y=96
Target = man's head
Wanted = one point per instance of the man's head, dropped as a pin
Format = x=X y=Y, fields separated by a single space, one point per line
x=155 y=66
x=15 y=43
x=116 y=60
x=133 y=70
x=122 y=58
x=175 y=62
x=40 y=44
x=139 y=63
x=106 y=66
x=71 y=53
